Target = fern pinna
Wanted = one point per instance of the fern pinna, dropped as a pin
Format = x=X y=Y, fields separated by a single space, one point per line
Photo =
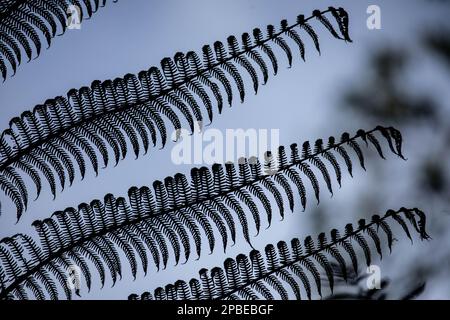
x=176 y=216
x=24 y=22
x=63 y=134
x=288 y=273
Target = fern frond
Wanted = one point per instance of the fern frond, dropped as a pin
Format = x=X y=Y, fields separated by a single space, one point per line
x=108 y=116
x=25 y=23
x=283 y=272
x=176 y=216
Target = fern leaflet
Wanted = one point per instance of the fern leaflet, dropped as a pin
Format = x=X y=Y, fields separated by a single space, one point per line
x=23 y=24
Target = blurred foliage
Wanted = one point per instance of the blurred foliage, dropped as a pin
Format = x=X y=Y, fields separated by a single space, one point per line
x=384 y=95
x=439 y=43
x=432 y=177
x=385 y=98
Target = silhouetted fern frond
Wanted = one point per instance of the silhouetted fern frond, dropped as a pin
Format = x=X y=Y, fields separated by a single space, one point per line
x=24 y=22
x=67 y=133
x=290 y=273
x=178 y=215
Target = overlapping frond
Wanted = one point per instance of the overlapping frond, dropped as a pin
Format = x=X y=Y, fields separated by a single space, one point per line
x=25 y=24
x=177 y=216
x=89 y=126
x=294 y=272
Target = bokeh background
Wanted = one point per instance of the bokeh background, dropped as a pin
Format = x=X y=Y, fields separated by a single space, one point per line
x=399 y=75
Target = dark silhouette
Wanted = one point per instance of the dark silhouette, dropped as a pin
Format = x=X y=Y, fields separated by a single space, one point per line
x=177 y=211
x=285 y=272
x=54 y=139
x=23 y=22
